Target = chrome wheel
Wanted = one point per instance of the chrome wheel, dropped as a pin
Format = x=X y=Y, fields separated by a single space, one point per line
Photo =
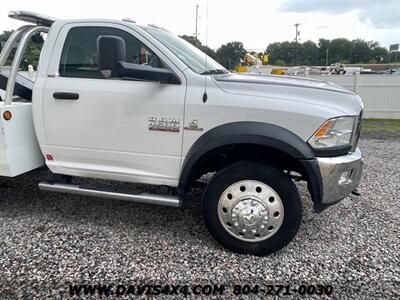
x=250 y=211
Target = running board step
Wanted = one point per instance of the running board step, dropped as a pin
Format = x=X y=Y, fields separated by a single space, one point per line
x=167 y=200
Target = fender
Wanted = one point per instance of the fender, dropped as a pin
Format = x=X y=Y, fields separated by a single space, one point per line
x=257 y=133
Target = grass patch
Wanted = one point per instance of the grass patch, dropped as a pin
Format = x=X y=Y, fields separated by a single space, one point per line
x=380 y=125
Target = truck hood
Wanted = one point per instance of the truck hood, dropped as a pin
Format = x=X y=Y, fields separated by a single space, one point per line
x=305 y=90
x=289 y=81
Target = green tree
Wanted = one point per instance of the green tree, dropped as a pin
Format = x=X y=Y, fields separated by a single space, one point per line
x=279 y=51
x=230 y=54
x=340 y=50
x=380 y=54
x=4 y=36
x=291 y=53
x=3 y=39
x=196 y=42
x=362 y=52
x=324 y=46
x=298 y=54
x=31 y=55
x=193 y=40
x=311 y=53
x=327 y=52
x=279 y=62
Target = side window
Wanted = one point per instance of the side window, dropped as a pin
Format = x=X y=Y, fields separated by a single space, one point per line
x=79 y=55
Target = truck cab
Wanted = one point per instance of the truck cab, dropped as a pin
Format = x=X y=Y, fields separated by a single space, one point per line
x=119 y=101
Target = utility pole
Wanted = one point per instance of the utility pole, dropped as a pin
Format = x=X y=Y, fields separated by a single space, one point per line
x=197 y=18
x=297 y=31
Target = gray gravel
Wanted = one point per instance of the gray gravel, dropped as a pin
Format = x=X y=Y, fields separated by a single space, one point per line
x=48 y=240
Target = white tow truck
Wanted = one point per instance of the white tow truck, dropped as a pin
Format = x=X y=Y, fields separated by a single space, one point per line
x=118 y=101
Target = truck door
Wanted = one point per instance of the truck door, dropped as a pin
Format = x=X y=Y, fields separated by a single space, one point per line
x=115 y=128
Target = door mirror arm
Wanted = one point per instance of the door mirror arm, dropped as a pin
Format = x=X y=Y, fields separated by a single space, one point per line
x=147 y=73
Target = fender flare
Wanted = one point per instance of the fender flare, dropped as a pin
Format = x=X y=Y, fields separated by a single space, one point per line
x=257 y=133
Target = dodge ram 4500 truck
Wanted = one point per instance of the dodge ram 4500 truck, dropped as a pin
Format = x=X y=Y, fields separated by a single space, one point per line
x=118 y=101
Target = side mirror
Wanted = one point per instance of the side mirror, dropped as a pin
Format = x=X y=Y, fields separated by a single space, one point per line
x=110 y=51
x=148 y=73
x=111 y=56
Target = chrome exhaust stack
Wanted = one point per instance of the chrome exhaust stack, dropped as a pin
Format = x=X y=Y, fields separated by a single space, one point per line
x=166 y=200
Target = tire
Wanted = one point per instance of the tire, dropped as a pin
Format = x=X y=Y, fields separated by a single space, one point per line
x=263 y=218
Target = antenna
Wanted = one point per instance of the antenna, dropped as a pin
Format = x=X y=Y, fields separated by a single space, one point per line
x=197 y=19
x=205 y=96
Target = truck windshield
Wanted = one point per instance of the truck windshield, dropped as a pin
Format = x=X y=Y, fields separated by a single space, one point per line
x=190 y=55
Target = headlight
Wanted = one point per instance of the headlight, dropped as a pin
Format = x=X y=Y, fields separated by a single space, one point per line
x=333 y=133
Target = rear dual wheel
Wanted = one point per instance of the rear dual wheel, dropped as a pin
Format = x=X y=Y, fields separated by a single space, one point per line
x=252 y=208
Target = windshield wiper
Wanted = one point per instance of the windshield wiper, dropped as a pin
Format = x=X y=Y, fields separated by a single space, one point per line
x=213 y=72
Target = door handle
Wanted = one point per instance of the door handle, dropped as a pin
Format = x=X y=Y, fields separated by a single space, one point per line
x=65 y=96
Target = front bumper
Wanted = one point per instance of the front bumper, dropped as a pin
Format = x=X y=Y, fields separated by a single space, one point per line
x=340 y=176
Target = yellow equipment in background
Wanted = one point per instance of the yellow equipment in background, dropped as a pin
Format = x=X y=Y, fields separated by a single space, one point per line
x=265 y=59
x=249 y=59
x=242 y=69
x=278 y=71
x=252 y=60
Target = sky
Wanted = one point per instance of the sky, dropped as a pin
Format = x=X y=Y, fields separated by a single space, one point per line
x=255 y=23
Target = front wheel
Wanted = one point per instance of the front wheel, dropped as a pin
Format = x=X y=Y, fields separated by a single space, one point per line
x=252 y=208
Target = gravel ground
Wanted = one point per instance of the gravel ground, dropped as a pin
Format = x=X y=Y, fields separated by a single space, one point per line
x=49 y=240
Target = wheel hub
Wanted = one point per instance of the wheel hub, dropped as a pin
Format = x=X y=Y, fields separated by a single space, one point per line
x=250 y=211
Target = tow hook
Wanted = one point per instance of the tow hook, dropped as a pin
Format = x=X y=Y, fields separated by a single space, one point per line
x=355 y=192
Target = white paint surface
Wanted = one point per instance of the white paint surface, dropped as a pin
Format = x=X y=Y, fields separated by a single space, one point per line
x=19 y=150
